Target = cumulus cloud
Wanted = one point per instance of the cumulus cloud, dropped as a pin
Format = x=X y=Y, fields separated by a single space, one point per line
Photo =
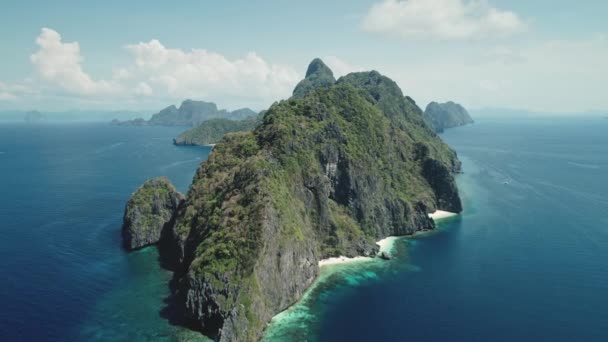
x=6 y=96
x=6 y=93
x=553 y=76
x=61 y=63
x=168 y=73
x=441 y=20
x=143 y=88
x=503 y=54
x=121 y=74
x=203 y=74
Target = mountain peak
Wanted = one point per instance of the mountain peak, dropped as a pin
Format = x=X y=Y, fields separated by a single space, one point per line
x=318 y=75
x=317 y=66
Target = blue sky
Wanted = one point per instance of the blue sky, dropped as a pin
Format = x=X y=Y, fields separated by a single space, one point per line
x=539 y=55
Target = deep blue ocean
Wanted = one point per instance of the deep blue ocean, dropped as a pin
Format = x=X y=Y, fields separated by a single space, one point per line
x=65 y=276
x=527 y=260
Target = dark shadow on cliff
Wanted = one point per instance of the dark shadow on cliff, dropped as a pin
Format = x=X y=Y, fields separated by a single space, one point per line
x=174 y=309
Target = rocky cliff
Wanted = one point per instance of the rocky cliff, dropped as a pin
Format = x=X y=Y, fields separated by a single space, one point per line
x=441 y=116
x=148 y=212
x=326 y=173
x=212 y=131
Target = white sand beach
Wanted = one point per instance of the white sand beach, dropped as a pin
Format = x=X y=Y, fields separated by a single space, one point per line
x=440 y=215
x=386 y=245
x=343 y=260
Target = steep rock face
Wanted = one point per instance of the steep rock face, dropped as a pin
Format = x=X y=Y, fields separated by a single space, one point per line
x=212 y=131
x=317 y=75
x=323 y=175
x=148 y=212
x=441 y=116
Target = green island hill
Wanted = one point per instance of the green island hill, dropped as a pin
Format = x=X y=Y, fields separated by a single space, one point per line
x=442 y=116
x=326 y=173
x=211 y=131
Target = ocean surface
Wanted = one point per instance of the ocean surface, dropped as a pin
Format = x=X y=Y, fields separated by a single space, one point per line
x=527 y=260
x=65 y=276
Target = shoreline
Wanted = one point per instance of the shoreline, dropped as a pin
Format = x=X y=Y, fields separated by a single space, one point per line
x=337 y=264
x=441 y=215
x=386 y=246
x=343 y=260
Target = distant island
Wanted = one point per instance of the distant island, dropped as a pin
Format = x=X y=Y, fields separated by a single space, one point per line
x=325 y=174
x=190 y=113
x=211 y=131
x=34 y=116
x=441 y=116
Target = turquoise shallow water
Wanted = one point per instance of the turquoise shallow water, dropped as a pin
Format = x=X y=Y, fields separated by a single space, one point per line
x=525 y=261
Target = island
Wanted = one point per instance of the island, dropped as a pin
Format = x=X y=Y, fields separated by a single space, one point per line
x=190 y=113
x=34 y=116
x=441 y=116
x=325 y=174
x=211 y=131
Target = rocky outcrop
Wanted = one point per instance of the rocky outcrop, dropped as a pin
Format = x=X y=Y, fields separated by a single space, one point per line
x=317 y=75
x=441 y=116
x=323 y=175
x=149 y=211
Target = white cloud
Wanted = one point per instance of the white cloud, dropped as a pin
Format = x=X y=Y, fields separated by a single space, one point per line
x=340 y=67
x=5 y=93
x=503 y=54
x=203 y=74
x=549 y=76
x=121 y=74
x=441 y=20
x=6 y=96
x=170 y=74
x=556 y=75
x=61 y=64
x=143 y=89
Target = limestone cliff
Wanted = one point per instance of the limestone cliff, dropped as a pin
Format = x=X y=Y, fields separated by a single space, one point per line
x=323 y=175
x=317 y=75
x=149 y=210
x=326 y=173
